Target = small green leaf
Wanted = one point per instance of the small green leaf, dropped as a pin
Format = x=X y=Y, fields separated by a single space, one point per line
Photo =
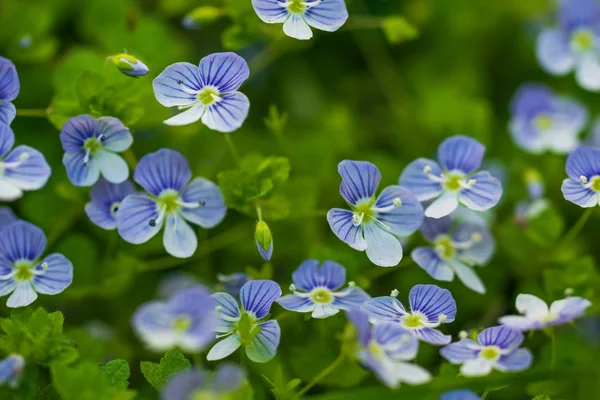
x=118 y=373
x=397 y=29
x=158 y=374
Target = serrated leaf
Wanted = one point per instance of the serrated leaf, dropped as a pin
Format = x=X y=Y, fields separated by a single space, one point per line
x=118 y=373
x=158 y=374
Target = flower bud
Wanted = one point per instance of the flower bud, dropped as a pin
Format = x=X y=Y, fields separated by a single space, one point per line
x=264 y=240
x=129 y=65
x=201 y=15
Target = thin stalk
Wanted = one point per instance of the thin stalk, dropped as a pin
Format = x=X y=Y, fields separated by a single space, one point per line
x=576 y=229
x=336 y=363
x=35 y=113
x=232 y=149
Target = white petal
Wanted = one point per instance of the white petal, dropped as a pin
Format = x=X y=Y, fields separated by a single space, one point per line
x=23 y=296
x=297 y=28
x=588 y=71
x=189 y=116
x=477 y=367
x=9 y=192
x=412 y=374
x=324 y=311
x=179 y=238
x=383 y=248
x=112 y=166
x=443 y=205
x=467 y=276
x=224 y=348
x=532 y=306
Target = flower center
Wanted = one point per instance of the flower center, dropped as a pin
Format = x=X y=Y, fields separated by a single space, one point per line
x=582 y=40
x=92 y=145
x=412 y=321
x=247 y=328
x=363 y=213
x=444 y=247
x=376 y=350
x=114 y=208
x=322 y=296
x=209 y=95
x=453 y=182
x=490 y=353
x=169 y=200
x=181 y=324
x=23 y=271
x=549 y=318
x=543 y=122
x=595 y=183
x=297 y=6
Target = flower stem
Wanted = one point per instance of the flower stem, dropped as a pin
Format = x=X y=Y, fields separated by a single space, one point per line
x=36 y=113
x=130 y=158
x=485 y=394
x=336 y=363
x=553 y=344
x=575 y=229
x=232 y=149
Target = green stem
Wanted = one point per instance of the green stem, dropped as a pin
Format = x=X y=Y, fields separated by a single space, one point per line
x=258 y=212
x=232 y=149
x=575 y=229
x=64 y=224
x=553 y=344
x=363 y=22
x=40 y=112
x=336 y=363
x=485 y=394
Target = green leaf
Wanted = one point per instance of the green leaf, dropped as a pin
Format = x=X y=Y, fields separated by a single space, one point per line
x=542 y=397
x=158 y=374
x=88 y=85
x=118 y=373
x=548 y=225
x=397 y=29
x=84 y=382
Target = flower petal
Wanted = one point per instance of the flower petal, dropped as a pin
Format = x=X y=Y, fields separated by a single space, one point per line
x=270 y=11
x=133 y=219
x=117 y=137
x=532 y=306
x=224 y=348
x=384 y=308
x=7 y=139
x=21 y=241
x=483 y=248
x=517 y=361
x=54 y=274
x=182 y=385
x=350 y=298
x=22 y=296
x=342 y=225
x=575 y=192
x=189 y=116
x=415 y=179
x=570 y=308
x=360 y=321
x=519 y=322
x=179 y=238
x=461 y=394
x=554 y=52
x=227 y=114
x=443 y=205
x=258 y=296
x=584 y=161
x=9 y=80
x=323 y=310
x=76 y=131
x=225 y=71
x=264 y=346
x=8 y=112
x=467 y=275
x=152 y=322
x=432 y=301
x=460 y=153
x=177 y=85
x=476 y=367
x=501 y=336
x=33 y=171
x=428 y=259
x=431 y=336
x=359 y=180
x=484 y=194
x=412 y=374
x=6 y=217
x=588 y=71
x=161 y=170
x=309 y=276
x=296 y=303
x=397 y=342
x=461 y=351
x=228 y=377
x=228 y=311
x=327 y=16
x=79 y=173
x=112 y=166
x=297 y=28
x=9 y=192
x=434 y=227
x=402 y=220
x=212 y=209
x=105 y=196
x=383 y=248
x=6 y=285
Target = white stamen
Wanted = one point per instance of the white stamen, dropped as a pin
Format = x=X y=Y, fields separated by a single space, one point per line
x=442 y=318
x=397 y=201
x=293 y=287
x=471 y=182
x=583 y=179
x=161 y=216
x=427 y=169
x=190 y=205
x=357 y=219
x=351 y=284
x=395 y=293
x=476 y=237
x=8 y=165
x=45 y=265
x=218 y=308
x=569 y=292
x=463 y=334
x=86 y=158
x=215 y=97
x=24 y=156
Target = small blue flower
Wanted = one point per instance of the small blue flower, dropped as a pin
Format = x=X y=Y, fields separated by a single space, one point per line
x=9 y=90
x=528 y=209
x=176 y=282
x=207 y=92
x=542 y=121
x=11 y=369
x=90 y=147
x=315 y=290
x=496 y=348
x=232 y=283
x=129 y=65
x=374 y=223
x=247 y=325
x=297 y=16
x=582 y=187
x=538 y=315
x=573 y=44
x=22 y=169
x=195 y=384
x=385 y=349
x=6 y=217
x=21 y=272
x=430 y=306
x=455 y=251
x=455 y=181
x=172 y=200
x=106 y=200
x=460 y=394
x=186 y=321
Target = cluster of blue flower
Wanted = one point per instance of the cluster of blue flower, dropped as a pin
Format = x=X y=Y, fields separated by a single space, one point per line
x=431 y=196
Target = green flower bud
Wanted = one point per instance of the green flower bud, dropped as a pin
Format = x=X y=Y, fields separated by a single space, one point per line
x=201 y=15
x=264 y=240
x=129 y=65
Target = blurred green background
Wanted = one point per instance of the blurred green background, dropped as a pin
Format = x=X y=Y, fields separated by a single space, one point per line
x=388 y=87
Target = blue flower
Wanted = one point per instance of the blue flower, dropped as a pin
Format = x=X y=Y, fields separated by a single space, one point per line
x=186 y=321
x=22 y=169
x=430 y=306
x=6 y=217
x=582 y=187
x=374 y=223
x=385 y=349
x=232 y=283
x=315 y=290
x=542 y=121
x=538 y=315
x=9 y=90
x=171 y=201
x=460 y=394
x=247 y=325
x=207 y=92
x=106 y=200
x=11 y=369
x=455 y=181
x=297 y=16
x=195 y=384
x=90 y=147
x=528 y=209
x=21 y=272
x=496 y=348
x=175 y=282
x=573 y=44
x=454 y=251
x=129 y=65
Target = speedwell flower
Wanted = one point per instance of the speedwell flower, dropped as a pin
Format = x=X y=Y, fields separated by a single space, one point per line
x=247 y=325
x=90 y=147
x=9 y=90
x=454 y=179
x=496 y=348
x=207 y=92
x=11 y=369
x=460 y=394
x=106 y=200
x=454 y=251
x=22 y=169
x=385 y=349
x=297 y=16
x=174 y=282
x=21 y=271
x=186 y=321
x=129 y=65
x=198 y=384
x=315 y=290
x=374 y=223
x=582 y=187
x=430 y=306
x=542 y=121
x=537 y=315
x=172 y=200
x=573 y=44
x=6 y=217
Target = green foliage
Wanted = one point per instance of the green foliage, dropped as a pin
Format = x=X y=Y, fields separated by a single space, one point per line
x=159 y=374
x=87 y=381
x=397 y=29
x=281 y=387
x=117 y=372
